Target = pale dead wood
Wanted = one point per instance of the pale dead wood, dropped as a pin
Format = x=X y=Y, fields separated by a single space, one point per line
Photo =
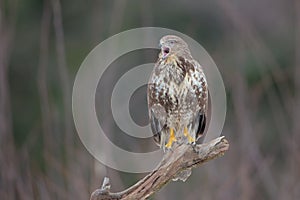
x=180 y=160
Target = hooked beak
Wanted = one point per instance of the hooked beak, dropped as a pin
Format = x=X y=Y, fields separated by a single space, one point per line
x=164 y=50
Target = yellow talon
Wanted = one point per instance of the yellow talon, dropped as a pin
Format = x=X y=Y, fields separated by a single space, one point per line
x=172 y=138
x=186 y=134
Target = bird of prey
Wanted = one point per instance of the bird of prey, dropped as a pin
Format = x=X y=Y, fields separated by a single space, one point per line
x=177 y=95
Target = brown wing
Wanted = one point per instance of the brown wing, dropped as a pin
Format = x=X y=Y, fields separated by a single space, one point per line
x=157 y=112
x=156 y=128
x=199 y=87
x=201 y=126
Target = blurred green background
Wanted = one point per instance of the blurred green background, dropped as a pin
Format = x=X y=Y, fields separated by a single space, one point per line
x=255 y=44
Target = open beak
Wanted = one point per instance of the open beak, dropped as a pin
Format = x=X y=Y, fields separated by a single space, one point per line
x=165 y=51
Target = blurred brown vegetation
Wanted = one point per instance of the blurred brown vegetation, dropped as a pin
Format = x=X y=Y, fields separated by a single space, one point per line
x=255 y=44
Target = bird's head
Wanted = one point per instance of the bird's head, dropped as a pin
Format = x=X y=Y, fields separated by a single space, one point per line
x=172 y=45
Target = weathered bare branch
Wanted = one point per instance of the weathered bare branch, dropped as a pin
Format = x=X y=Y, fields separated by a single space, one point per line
x=174 y=163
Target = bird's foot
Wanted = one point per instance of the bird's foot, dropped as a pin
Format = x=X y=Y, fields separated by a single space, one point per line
x=172 y=139
x=191 y=140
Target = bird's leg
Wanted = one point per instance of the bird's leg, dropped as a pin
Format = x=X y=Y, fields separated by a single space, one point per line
x=186 y=134
x=172 y=138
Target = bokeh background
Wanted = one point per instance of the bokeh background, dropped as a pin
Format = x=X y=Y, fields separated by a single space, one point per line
x=255 y=44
